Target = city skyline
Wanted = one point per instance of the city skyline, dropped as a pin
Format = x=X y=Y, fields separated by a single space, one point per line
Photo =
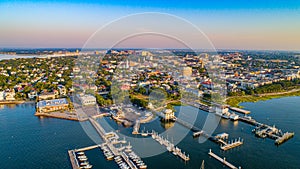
x=228 y=25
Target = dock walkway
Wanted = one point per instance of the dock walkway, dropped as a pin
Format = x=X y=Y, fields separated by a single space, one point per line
x=73 y=160
x=222 y=160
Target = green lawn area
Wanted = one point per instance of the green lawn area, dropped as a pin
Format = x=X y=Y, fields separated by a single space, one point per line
x=236 y=100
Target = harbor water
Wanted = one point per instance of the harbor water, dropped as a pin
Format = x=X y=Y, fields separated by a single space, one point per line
x=29 y=142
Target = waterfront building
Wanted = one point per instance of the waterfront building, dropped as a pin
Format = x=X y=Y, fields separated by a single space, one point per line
x=168 y=114
x=86 y=100
x=1 y=95
x=45 y=106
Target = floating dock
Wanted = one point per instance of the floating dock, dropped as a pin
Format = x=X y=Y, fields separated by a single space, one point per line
x=264 y=131
x=232 y=144
x=239 y=110
x=285 y=137
x=222 y=160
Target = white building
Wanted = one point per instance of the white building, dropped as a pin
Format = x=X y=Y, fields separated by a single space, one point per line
x=168 y=114
x=1 y=95
x=10 y=96
x=86 y=100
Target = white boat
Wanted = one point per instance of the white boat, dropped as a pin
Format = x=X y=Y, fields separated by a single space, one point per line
x=87 y=166
x=84 y=163
x=80 y=153
x=144 y=134
x=83 y=156
x=234 y=117
x=169 y=148
x=83 y=159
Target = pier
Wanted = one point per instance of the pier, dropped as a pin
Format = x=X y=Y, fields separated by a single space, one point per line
x=286 y=136
x=101 y=115
x=79 y=160
x=86 y=148
x=222 y=160
x=263 y=131
x=136 y=127
x=170 y=146
x=232 y=144
x=73 y=159
x=239 y=110
x=120 y=155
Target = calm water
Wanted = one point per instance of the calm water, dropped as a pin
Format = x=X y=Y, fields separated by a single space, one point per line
x=29 y=142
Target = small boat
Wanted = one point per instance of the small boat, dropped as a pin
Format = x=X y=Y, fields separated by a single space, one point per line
x=80 y=153
x=83 y=159
x=169 y=148
x=84 y=163
x=143 y=166
x=88 y=166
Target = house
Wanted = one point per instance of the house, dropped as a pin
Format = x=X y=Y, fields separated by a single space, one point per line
x=10 y=95
x=62 y=90
x=32 y=94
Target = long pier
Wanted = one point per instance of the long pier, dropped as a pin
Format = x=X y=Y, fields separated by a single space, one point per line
x=222 y=160
x=170 y=146
x=136 y=127
x=239 y=110
x=87 y=148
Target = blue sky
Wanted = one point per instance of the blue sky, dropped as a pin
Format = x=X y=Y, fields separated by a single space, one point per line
x=228 y=24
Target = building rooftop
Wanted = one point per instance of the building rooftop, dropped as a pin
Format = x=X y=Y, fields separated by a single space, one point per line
x=54 y=102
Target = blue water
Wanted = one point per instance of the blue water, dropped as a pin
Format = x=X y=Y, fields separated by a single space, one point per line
x=29 y=142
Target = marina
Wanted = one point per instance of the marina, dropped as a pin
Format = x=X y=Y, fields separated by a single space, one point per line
x=261 y=130
x=79 y=160
x=111 y=151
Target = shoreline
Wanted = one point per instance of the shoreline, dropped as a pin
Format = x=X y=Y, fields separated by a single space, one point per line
x=237 y=100
x=62 y=116
x=16 y=102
